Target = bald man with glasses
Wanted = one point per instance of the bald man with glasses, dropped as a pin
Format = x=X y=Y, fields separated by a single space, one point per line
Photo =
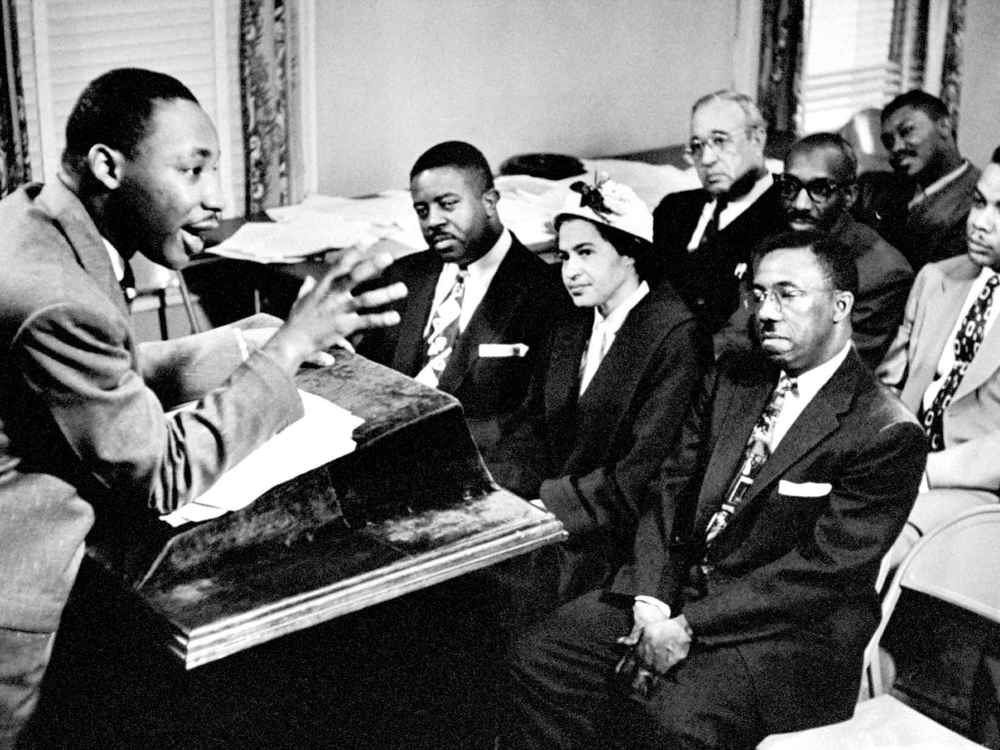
x=818 y=189
x=703 y=237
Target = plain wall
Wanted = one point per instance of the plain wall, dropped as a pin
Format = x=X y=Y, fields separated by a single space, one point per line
x=979 y=107
x=582 y=77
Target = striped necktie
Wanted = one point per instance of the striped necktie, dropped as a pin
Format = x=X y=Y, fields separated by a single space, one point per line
x=443 y=332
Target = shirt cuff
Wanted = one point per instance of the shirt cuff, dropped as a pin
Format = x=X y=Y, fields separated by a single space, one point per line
x=654 y=602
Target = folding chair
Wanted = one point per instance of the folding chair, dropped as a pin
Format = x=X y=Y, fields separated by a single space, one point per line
x=957 y=562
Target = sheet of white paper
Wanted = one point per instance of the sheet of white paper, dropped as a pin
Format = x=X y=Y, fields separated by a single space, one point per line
x=320 y=436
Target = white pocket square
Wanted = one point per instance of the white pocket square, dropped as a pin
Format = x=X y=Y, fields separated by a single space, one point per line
x=804 y=489
x=503 y=350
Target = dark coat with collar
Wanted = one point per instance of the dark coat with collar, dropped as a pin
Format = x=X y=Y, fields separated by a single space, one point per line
x=933 y=230
x=592 y=458
x=792 y=584
x=523 y=297
x=82 y=427
x=708 y=278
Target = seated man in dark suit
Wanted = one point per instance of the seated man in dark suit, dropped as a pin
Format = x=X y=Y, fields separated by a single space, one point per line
x=921 y=208
x=795 y=474
x=818 y=189
x=703 y=237
x=84 y=440
x=479 y=302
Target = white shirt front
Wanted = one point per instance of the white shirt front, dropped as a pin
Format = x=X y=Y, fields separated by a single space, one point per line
x=603 y=334
x=947 y=360
x=732 y=210
x=481 y=273
x=808 y=384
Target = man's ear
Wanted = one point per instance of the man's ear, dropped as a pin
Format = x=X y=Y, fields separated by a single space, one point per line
x=843 y=304
x=850 y=196
x=945 y=128
x=490 y=199
x=106 y=165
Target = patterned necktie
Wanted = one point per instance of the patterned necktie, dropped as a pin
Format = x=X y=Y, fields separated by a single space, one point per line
x=712 y=227
x=967 y=342
x=443 y=332
x=757 y=452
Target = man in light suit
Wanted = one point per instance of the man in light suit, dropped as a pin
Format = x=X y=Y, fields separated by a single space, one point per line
x=795 y=474
x=508 y=294
x=818 y=188
x=84 y=440
x=962 y=468
x=703 y=238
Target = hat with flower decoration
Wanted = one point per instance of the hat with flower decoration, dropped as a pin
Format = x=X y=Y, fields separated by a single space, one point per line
x=609 y=203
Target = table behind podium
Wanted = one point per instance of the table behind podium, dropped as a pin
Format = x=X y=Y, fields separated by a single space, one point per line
x=412 y=506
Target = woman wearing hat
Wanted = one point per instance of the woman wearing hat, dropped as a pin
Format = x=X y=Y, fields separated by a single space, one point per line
x=610 y=392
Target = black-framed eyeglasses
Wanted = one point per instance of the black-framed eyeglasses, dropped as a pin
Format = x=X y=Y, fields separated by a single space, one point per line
x=720 y=142
x=819 y=190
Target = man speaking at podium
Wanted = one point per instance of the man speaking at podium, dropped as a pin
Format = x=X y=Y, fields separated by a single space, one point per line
x=82 y=426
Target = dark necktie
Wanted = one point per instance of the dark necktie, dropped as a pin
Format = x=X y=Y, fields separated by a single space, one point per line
x=967 y=343
x=712 y=228
x=443 y=332
x=128 y=283
x=754 y=455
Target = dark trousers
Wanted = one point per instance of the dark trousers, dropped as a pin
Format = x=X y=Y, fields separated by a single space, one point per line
x=23 y=659
x=564 y=692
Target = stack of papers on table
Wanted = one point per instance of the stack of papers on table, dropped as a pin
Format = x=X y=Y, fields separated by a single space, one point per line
x=320 y=436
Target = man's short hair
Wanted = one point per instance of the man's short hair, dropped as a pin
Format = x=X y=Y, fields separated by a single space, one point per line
x=458 y=155
x=750 y=110
x=835 y=258
x=995 y=159
x=816 y=141
x=929 y=104
x=115 y=109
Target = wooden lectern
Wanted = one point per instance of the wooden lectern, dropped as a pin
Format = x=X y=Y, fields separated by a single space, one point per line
x=413 y=505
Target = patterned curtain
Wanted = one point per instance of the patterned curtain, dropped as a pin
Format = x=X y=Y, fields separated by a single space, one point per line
x=271 y=98
x=951 y=70
x=915 y=48
x=15 y=167
x=781 y=64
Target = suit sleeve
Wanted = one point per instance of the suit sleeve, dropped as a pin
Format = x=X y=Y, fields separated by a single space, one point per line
x=877 y=321
x=611 y=496
x=895 y=365
x=76 y=362
x=863 y=514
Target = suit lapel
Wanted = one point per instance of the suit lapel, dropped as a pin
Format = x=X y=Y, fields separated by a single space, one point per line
x=820 y=418
x=731 y=431
x=86 y=241
x=488 y=322
x=562 y=386
x=411 y=348
x=987 y=360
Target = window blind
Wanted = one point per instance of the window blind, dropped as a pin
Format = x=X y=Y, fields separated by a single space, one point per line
x=67 y=43
x=846 y=61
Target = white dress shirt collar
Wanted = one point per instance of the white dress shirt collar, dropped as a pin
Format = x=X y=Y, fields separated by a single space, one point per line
x=604 y=331
x=937 y=186
x=481 y=273
x=732 y=210
x=117 y=261
x=808 y=384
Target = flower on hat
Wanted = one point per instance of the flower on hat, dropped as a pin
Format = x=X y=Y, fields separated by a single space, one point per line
x=605 y=197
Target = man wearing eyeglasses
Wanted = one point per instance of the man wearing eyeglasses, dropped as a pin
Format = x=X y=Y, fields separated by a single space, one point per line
x=703 y=237
x=750 y=594
x=818 y=189
x=921 y=208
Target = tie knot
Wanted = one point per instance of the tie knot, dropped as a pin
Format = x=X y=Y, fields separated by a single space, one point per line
x=787 y=384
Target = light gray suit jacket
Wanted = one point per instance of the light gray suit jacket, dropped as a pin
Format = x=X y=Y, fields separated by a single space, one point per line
x=972 y=420
x=82 y=424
